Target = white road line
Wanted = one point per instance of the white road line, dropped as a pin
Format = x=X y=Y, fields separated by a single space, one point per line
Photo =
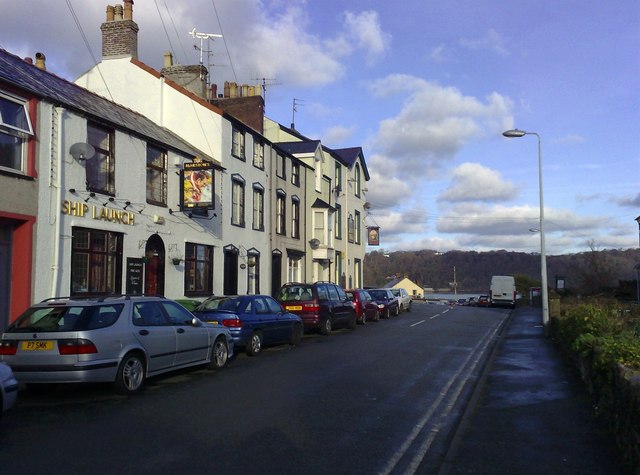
x=418 y=323
x=474 y=355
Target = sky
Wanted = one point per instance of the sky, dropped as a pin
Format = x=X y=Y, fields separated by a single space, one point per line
x=426 y=88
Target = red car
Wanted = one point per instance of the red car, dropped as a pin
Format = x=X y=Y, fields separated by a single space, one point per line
x=366 y=308
x=483 y=301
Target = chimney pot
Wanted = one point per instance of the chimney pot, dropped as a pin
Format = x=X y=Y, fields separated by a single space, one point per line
x=128 y=9
x=40 y=61
x=118 y=12
x=109 y=12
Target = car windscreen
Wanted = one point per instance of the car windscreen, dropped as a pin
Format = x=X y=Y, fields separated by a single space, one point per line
x=378 y=294
x=66 y=318
x=296 y=292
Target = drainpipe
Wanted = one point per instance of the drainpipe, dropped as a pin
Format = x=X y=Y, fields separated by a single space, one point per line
x=55 y=183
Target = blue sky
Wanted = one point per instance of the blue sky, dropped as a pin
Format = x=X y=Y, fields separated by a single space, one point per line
x=426 y=88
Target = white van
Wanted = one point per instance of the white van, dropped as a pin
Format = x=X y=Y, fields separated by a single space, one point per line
x=503 y=291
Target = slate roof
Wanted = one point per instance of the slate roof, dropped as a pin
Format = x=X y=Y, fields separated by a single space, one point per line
x=306 y=146
x=349 y=156
x=49 y=87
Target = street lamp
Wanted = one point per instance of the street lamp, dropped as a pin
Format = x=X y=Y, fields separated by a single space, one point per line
x=515 y=133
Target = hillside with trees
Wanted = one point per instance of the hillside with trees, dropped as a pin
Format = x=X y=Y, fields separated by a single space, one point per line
x=586 y=273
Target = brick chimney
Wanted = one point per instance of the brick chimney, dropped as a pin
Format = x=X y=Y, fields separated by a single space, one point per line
x=120 y=32
x=193 y=78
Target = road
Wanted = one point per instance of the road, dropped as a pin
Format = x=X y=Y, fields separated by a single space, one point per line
x=383 y=399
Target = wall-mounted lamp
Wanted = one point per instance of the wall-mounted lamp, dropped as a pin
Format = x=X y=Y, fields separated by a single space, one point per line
x=127 y=204
x=91 y=195
x=110 y=200
x=72 y=190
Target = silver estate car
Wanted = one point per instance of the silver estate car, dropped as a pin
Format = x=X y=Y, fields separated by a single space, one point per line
x=119 y=339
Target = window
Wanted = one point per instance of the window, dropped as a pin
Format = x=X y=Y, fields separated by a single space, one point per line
x=295 y=174
x=358 y=226
x=351 y=231
x=338 y=178
x=258 y=207
x=338 y=218
x=258 y=154
x=295 y=217
x=338 y=268
x=281 y=166
x=358 y=179
x=15 y=129
x=294 y=269
x=318 y=226
x=237 y=200
x=156 y=175
x=237 y=144
x=101 y=168
x=281 y=212
x=253 y=273
x=96 y=262
x=357 y=273
x=198 y=269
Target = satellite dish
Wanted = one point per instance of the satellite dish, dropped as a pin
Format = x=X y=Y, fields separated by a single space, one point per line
x=366 y=205
x=82 y=151
x=314 y=243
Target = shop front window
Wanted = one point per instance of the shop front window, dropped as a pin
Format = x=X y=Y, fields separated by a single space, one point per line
x=96 y=262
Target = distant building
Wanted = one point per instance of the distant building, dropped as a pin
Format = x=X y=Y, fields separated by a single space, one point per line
x=403 y=282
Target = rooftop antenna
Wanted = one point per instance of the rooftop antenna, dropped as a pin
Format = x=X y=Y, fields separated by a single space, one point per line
x=265 y=81
x=294 y=109
x=202 y=37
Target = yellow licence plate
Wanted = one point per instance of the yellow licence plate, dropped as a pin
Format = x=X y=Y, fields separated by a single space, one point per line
x=41 y=345
x=294 y=307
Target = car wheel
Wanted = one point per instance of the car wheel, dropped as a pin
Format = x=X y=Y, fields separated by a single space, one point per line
x=219 y=354
x=401 y=309
x=397 y=311
x=130 y=375
x=409 y=308
x=363 y=320
x=255 y=344
x=387 y=313
x=376 y=317
x=296 y=335
x=326 y=326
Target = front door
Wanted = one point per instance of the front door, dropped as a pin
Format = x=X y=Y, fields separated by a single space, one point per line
x=5 y=274
x=154 y=267
x=230 y=270
x=276 y=273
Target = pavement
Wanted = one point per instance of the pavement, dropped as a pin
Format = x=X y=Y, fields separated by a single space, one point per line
x=531 y=413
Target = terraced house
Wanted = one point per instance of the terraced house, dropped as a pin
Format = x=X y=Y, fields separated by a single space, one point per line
x=155 y=183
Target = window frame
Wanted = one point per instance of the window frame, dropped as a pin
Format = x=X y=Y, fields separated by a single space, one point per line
x=198 y=256
x=237 y=202
x=258 y=154
x=238 y=144
x=93 y=164
x=295 y=217
x=162 y=170
x=18 y=134
x=86 y=242
x=258 y=208
x=281 y=212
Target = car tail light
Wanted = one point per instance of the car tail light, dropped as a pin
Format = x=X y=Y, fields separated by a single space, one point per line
x=76 y=346
x=310 y=307
x=8 y=347
x=232 y=323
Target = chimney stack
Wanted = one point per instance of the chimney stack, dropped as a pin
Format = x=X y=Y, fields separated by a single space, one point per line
x=120 y=32
x=40 y=61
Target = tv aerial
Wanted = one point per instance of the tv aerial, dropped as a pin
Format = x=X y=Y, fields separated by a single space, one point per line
x=202 y=37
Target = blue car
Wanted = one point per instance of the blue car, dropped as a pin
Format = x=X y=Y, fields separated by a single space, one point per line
x=255 y=321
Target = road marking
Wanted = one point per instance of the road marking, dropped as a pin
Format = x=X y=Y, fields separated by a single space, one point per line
x=418 y=323
x=465 y=370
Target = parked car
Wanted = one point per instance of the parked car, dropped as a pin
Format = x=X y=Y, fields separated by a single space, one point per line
x=483 y=301
x=404 y=299
x=386 y=301
x=322 y=306
x=255 y=321
x=8 y=388
x=366 y=308
x=118 y=339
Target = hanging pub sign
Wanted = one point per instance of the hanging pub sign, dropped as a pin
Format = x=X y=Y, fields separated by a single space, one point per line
x=373 y=233
x=197 y=185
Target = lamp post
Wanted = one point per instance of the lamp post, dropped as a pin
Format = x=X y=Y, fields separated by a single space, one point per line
x=515 y=133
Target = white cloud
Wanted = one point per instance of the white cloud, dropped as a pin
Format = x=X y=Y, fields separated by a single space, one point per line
x=435 y=122
x=337 y=136
x=474 y=182
x=365 y=29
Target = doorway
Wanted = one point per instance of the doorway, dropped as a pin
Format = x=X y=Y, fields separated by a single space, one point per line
x=230 y=284
x=276 y=272
x=154 y=268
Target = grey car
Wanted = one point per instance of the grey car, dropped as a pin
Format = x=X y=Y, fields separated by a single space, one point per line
x=118 y=339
